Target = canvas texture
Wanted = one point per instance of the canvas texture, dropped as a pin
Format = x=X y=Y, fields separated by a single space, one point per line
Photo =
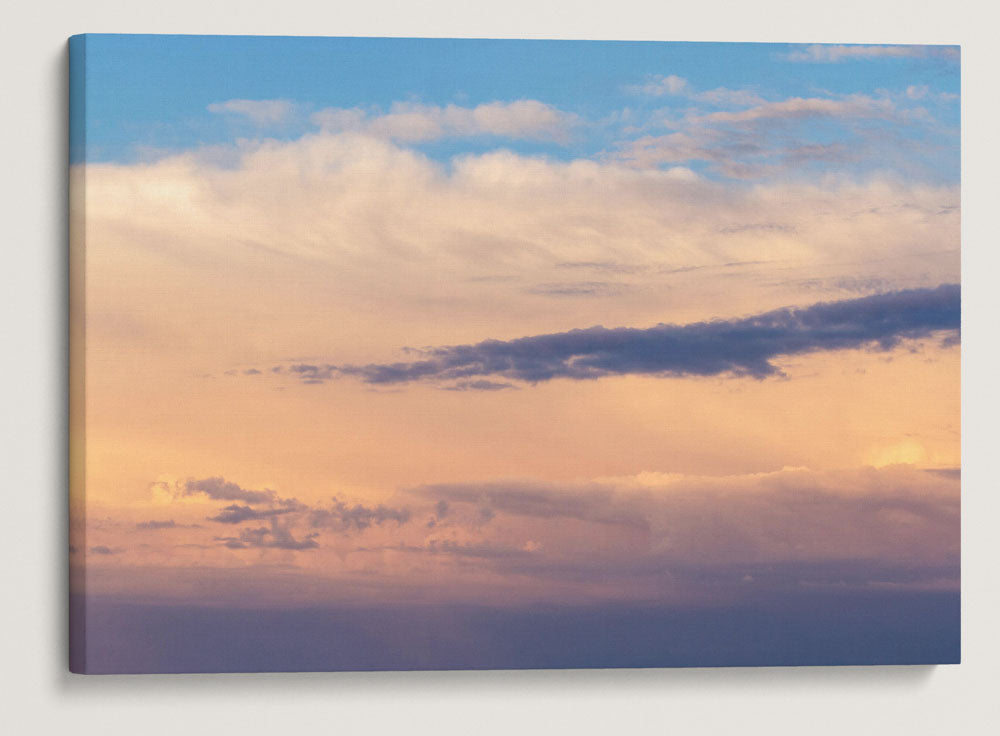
x=396 y=354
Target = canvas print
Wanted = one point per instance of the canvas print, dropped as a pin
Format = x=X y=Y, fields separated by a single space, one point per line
x=395 y=354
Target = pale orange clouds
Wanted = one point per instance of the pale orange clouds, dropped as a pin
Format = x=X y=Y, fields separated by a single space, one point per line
x=206 y=270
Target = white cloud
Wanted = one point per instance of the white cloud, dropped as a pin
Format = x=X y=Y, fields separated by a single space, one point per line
x=673 y=85
x=797 y=108
x=261 y=112
x=411 y=122
x=659 y=86
x=724 y=96
x=832 y=53
x=388 y=221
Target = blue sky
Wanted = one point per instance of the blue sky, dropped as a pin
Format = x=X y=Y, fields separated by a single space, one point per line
x=151 y=95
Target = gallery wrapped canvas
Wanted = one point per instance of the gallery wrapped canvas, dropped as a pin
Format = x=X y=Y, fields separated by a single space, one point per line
x=475 y=354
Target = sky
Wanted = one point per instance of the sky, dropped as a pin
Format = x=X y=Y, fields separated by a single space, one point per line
x=425 y=325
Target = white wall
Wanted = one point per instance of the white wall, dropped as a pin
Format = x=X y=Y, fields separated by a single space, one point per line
x=40 y=697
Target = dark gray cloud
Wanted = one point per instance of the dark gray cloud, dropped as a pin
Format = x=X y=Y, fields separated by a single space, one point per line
x=313 y=373
x=282 y=513
x=236 y=514
x=277 y=537
x=155 y=524
x=441 y=509
x=592 y=503
x=479 y=385
x=739 y=347
x=232 y=542
x=220 y=489
x=358 y=517
x=955 y=473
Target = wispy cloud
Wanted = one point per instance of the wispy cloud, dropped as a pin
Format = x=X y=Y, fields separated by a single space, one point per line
x=895 y=525
x=578 y=288
x=414 y=123
x=155 y=524
x=284 y=514
x=800 y=108
x=671 y=84
x=236 y=514
x=832 y=53
x=758 y=139
x=220 y=489
x=480 y=385
x=657 y=86
x=593 y=503
x=739 y=347
x=262 y=112
x=277 y=537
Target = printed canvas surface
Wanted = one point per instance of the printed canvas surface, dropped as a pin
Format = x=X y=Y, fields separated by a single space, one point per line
x=424 y=354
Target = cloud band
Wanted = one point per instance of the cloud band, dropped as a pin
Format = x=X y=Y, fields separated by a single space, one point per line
x=740 y=347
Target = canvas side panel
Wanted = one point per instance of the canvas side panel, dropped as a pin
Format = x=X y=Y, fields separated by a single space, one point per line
x=77 y=352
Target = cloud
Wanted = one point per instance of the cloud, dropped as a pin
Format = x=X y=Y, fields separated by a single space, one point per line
x=311 y=373
x=261 y=112
x=955 y=473
x=415 y=123
x=480 y=385
x=236 y=514
x=723 y=96
x=671 y=84
x=277 y=537
x=284 y=515
x=800 y=108
x=481 y=551
x=389 y=224
x=154 y=524
x=737 y=153
x=602 y=267
x=727 y=149
x=578 y=288
x=660 y=85
x=858 y=122
x=388 y=220
x=219 y=489
x=649 y=536
x=737 y=347
x=358 y=517
x=765 y=139
x=594 y=503
x=896 y=525
x=832 y=53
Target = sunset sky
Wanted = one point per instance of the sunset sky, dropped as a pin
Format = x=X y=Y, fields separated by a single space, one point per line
x=389 y=322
